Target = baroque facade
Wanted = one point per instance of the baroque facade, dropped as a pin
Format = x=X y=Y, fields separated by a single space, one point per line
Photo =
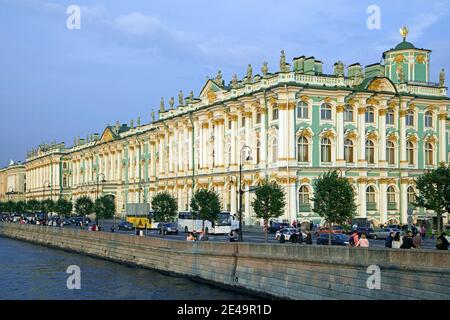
x=12 y=182
x=381 y=125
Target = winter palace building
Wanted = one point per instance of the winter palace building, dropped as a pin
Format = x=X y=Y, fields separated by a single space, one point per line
x=381 y=125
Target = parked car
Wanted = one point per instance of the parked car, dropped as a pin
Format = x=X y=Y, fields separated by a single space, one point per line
x=167 y=228
x=337 y=239
x=364 y=230
x=383 y=233
x=285 y=234
x=66 y=222
x=76 y=221
x=326 y=230
x=277 y=226
x=125 y=225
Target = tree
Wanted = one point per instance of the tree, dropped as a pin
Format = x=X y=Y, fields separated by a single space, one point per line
x=20 y=206
x=104 y=208
x=47 y=205
x=33 y=205
x=164 y=207
x=84 y=206
x=269 y=202
x=434 y=191
x=206 y=205
x=10 y=206
x=63 y=207
x=334 y=199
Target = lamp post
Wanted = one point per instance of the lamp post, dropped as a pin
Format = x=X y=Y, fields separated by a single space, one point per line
x=249 y=157
x=141 y=188
x=46 y=184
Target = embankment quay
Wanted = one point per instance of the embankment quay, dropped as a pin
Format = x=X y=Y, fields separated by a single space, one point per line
x=265 y=270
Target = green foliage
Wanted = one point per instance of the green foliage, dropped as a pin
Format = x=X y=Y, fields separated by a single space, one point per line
x=164 y=207
x=104 y=207
x=20 y=206
x=47 y=205
x=206 y=205
x=33 y=205
x=269 y=202
x=10 y=206
x=434 y=191
x=84 y=206
x=63 y=207
x=334 y=198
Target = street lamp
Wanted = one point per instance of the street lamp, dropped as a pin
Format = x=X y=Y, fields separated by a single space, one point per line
x=249 y=157
x=46 y=184
x=141 y=188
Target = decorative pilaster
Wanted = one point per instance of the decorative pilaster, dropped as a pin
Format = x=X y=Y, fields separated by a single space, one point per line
x=362 y=162
x=382 y=134
x=402 y=136
x=340 y=161
x=442 y=137
x=383 y=201
x=362 y=184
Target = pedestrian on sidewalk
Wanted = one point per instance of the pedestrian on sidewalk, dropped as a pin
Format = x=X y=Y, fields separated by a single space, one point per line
x=308 y=239
x=442 y=242
x=417 y=241
x=389 y=239
x=363 y=242
x=397 y=241
x=407 y=241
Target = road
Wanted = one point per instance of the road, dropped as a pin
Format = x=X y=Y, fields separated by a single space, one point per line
x=250 y=234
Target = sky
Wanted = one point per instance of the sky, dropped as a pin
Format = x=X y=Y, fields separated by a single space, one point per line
x=58 y=83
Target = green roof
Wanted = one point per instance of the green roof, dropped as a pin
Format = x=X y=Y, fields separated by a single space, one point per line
x=405 y=45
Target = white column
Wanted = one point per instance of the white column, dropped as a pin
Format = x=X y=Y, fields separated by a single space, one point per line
x=119 y=166
x=161 y=155
x=362 y=137
x=292 y=202
x=282 y=132
x=442 y=138
x=247 y=205
x=220 y=143
x=204 y=145
x=382 y=135
x=340 y=135
x=362 y=200
x=190 y=136
x=181 y=154
x=263 y=155
x=402 y=138
x=403 y=203
x=383 y=202
x=233 y=120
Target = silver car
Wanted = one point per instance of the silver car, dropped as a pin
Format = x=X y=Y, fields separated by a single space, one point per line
x=384 y=233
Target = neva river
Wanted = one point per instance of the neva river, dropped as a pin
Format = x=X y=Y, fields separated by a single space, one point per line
x=29 y=271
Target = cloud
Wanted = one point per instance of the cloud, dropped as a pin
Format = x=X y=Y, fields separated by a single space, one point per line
x=138 y=24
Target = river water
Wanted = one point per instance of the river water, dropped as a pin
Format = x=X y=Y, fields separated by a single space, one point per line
x=29 y=271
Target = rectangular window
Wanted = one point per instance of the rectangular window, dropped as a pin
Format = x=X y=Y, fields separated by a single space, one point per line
x=325 y=114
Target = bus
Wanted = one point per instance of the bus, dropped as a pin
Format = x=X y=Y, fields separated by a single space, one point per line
x=225 y=223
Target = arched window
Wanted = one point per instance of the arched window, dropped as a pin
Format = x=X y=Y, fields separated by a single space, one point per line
x=410 y=118
x=348 y=151
x=325 y=150
x=274 y=150
x=370 y=194
x=274 y=111
x=428 y=119
x=258 y=151
x=303 y=194
x=258 y=117
x=370 y=151
x=370 y=115
x=302 y=149
x=391 y=198
x=411 y=195
x=410 y=152
x=302 y=110
x=325 y=111
x=390 y=152
x=243 y=121
x=390 y=116
x=348 y=113
x=429 y=154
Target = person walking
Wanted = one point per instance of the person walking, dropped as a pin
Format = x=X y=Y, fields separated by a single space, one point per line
x=353 y=240
x=397 y=241
x=422 y=231
x=389 y=239
x=363 y=242
x=442 y=242
x=407 y=241
x=417 y=241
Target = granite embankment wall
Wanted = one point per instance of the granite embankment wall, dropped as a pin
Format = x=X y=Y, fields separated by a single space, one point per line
x=276 y=270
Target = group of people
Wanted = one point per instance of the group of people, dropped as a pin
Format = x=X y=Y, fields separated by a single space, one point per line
x=192 y=236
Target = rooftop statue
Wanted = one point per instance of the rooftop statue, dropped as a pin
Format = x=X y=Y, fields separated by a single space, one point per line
x=339 y=69
x=234 y=81
x=171 y=102
x=153 y=116
x=249 y=72
x=219 y=79
x=180 y=98
x=284 y=67
x=139 y=121
x=442 y=78
x=161 y=105
x=265 y=68
x=191 y=95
